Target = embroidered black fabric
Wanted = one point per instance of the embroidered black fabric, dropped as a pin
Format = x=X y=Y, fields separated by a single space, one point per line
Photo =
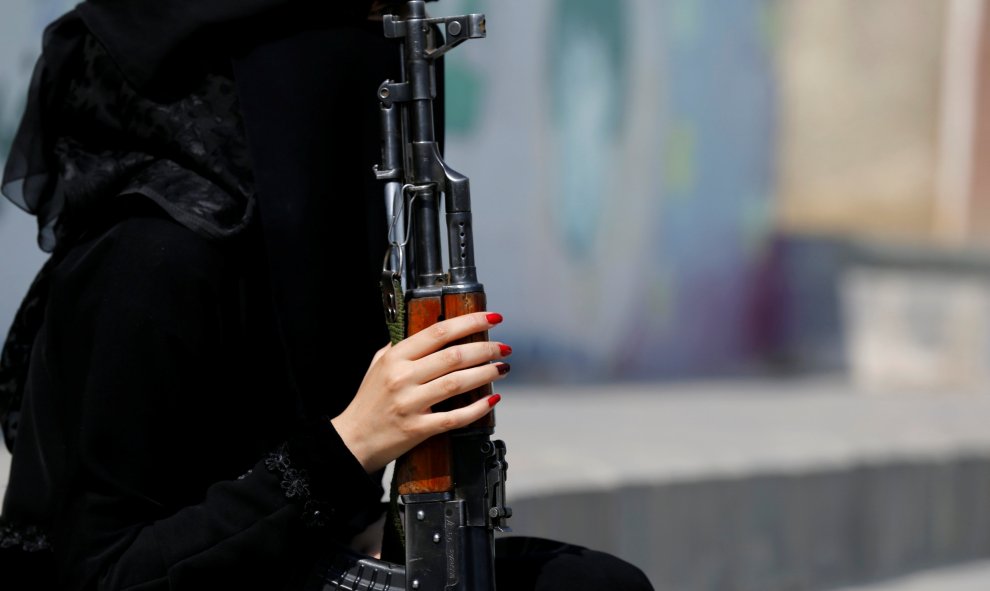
x=188 y=155
x=295 y=483
x=16 y=354
x=29 y=538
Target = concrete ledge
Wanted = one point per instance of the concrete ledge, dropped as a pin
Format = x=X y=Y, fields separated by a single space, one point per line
x=753 y=486
x=780 y=532
x=971 y=576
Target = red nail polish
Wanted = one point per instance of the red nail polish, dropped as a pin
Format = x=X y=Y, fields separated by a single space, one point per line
x=503 y=368
x=505 y=350
x=494 y=318
x=493 y=399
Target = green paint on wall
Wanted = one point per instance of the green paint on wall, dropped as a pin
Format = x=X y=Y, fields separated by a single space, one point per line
x=465 y=84
x=474 y=6
x=463 y=98
x=588 y=25
x=685 y=19
x=679 y=157
x=768 y=25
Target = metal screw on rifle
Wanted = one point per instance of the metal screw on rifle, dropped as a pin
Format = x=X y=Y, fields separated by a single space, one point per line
x=454 y=28
x=436 y=538
x=420 y=515
x=384 y=93
x=415 y=584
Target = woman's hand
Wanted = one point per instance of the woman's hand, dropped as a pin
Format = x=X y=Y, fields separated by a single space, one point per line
x=390 y=413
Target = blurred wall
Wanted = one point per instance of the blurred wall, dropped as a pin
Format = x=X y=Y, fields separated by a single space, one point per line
x=651 y=177
x=21 y=25
x=622 y=159
x=859 y=115
x=976 y=226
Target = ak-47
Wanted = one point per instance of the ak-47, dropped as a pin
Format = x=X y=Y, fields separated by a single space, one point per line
x=452 y=485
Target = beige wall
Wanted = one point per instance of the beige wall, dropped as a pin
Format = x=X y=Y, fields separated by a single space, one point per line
x=859 y=115
x=978 y=228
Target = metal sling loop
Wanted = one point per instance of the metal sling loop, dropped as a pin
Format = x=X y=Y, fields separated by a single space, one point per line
x=405 y=214
x=392 y=277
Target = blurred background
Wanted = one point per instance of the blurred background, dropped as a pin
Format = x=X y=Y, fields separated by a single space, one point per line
x=743 y=249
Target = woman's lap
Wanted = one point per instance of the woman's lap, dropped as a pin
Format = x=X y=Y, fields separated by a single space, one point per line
x=537 y=564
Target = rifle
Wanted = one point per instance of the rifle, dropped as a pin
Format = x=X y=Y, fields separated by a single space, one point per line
x=452 y=485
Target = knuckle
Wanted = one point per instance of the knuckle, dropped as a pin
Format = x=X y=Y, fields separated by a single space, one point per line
x=396 y=379
x=449 y=385
x=449 y=422
x=452 y=356
x=386 y=360
x=397 y=409
x=412 y=430
x=438 y=331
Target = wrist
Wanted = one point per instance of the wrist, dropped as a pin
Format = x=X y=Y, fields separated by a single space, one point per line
x=353 y=441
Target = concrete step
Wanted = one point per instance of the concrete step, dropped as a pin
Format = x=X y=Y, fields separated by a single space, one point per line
x=973 y=576
x=753 y=486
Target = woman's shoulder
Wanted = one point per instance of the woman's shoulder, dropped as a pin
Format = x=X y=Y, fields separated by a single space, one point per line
x=140 y=254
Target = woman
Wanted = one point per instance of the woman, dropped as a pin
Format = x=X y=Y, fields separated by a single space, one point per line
x=172 y=388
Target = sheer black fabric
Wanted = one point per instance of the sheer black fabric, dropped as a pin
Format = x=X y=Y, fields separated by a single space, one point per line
x=30 y=174
x=89 y=135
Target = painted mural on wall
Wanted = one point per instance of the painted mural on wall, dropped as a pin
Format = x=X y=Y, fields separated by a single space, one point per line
x=586 y=60
x=622 y=164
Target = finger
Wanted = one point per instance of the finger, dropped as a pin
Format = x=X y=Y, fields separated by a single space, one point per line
x=457 y=357
x=441 y=422
x=459 y=382
x=436 y=336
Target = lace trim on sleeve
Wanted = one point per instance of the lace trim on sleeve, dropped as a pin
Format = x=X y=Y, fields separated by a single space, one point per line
x=296 y=487
x=29 y=538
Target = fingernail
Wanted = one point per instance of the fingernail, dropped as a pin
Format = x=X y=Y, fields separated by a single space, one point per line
x=494 y=318
x=503 y=368
x=493 y=399
x=505 y=350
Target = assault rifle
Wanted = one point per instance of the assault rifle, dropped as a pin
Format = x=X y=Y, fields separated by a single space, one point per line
x=452 y=485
